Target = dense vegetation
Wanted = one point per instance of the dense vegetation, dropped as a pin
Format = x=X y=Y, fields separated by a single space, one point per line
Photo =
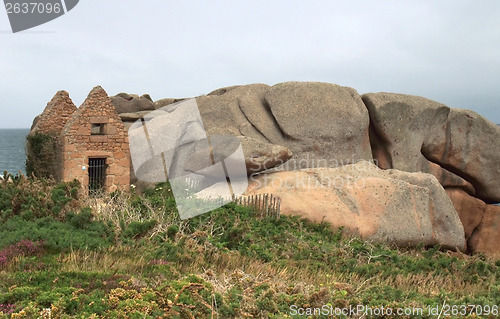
x=41 y=154
x=129 y=256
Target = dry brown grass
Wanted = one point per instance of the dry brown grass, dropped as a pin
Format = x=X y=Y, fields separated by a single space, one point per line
x=112 y=259
x=117 y=209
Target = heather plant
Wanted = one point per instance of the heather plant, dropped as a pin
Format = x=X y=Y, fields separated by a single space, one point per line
x=7 y=309
x=22 y=248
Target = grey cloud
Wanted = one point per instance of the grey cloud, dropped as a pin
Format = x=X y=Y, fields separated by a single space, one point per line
x=448 y=50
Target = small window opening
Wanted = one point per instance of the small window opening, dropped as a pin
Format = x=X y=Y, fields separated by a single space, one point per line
x=98 y=129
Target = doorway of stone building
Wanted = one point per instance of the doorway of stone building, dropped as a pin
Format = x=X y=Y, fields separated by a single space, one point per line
x=97 y=175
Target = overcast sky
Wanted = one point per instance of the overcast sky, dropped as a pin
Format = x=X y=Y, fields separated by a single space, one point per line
x=448 y=51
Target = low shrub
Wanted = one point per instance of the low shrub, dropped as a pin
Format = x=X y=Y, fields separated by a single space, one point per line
x=138 y=229
x=22 y=248
x=130 y=256
x=28 y=198
x=57 y=235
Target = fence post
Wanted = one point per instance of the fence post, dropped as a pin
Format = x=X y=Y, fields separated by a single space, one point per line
x=274 y=206
x=279 y=204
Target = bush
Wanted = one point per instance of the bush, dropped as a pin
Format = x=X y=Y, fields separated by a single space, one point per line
x=41 y=155
x=172 y=231
x=57 y=235
x=28 y=198
x=82 y=220
x=138 y=229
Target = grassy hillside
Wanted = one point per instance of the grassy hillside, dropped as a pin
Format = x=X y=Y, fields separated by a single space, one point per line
x=129 y=256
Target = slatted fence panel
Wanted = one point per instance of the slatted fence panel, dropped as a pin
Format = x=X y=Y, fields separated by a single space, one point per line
x=266 y=205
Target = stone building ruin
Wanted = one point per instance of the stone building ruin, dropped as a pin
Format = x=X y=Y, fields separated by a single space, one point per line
x=88 y=143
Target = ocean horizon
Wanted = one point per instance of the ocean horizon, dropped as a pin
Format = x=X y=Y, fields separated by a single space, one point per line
x=12 y=150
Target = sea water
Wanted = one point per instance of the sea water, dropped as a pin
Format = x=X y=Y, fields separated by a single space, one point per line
x=12 y=150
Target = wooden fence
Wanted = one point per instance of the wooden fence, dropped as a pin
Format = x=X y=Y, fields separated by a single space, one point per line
x=265 y=205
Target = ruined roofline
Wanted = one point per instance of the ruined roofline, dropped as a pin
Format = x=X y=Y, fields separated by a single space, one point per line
x=95 y=98
x=56 y=114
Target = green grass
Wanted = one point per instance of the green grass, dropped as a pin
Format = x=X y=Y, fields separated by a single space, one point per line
x=130 y=256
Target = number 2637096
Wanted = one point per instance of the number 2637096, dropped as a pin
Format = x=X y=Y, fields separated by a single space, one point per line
x=33 y=7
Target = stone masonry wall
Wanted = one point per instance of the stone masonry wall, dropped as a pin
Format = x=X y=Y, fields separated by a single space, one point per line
x=51 y=122
x=55 y=116
x=78 y=144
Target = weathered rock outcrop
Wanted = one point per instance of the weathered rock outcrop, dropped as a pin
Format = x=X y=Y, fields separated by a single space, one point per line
x=481 y=222
x=384 y=206
x=327 y=125
x=130 y=103
x=470 y=209
x=222 y=112
x=261 y=156
x=321 y=124
x=132 y=117
x=326 y=122
x=413 y=134
x=486 y=237
x=471 y=149
x=164 y=102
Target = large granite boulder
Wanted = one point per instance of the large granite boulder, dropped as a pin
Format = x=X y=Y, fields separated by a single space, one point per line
x=163 y=102
x=470 y=209
x=321 y=124
x=325 y=124
x=459 y=147
x=131 y=103
x=222 y=111
x=486 y=238
x=259 y=156
x=380 y=205
x=132 y=117
x=471 y=148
